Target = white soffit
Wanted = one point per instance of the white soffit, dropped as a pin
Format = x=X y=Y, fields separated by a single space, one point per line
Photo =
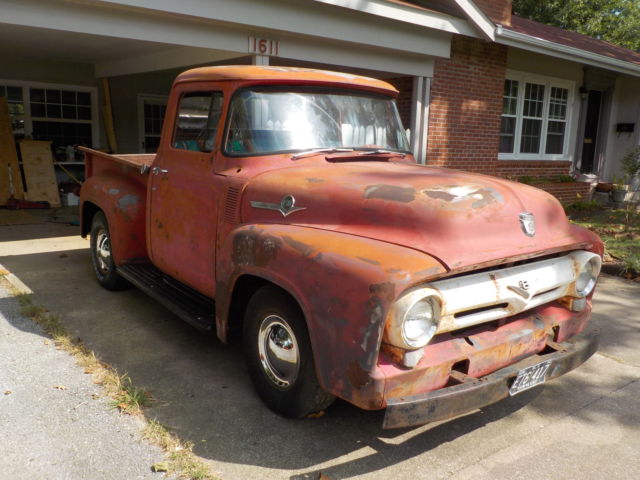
x=407 y=14
x=321 y=33
x=300 y=17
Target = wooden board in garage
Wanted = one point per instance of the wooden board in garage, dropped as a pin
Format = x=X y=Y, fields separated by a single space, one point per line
x=10 y=177
x=39 y=174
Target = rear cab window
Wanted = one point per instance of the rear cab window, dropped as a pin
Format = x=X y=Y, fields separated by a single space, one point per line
x=197 y=121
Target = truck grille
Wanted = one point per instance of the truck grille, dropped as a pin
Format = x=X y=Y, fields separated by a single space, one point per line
x=491 y=295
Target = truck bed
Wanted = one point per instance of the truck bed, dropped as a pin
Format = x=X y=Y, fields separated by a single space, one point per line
x=134 y=160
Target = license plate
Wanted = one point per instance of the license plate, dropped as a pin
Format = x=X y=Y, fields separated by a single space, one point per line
x=530 y=377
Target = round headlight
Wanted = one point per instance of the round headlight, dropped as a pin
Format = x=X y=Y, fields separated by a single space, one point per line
x=413 y=319
x=588 y=276
x=419 y=323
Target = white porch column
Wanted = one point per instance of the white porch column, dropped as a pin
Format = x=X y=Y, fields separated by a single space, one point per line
x=420 y=117
x=260 y=60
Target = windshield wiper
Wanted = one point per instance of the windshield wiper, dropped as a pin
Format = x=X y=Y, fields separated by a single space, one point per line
x=315 y=151
x=381 y=150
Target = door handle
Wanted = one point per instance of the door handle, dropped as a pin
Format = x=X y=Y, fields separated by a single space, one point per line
x=158 y=170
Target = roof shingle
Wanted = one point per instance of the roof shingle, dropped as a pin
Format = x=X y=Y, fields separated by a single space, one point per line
x=571 y=39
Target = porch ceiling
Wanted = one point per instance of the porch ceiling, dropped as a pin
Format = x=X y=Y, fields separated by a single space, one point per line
x=40 y=43
x=124 y=37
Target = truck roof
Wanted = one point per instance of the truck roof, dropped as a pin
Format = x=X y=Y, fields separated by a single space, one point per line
x=290 y=75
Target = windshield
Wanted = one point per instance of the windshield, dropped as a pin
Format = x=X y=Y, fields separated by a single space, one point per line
x=270 y=121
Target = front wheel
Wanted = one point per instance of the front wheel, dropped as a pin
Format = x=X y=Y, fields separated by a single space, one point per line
x=101 y=256
x=279 y=357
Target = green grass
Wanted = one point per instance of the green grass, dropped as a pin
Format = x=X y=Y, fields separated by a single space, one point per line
x=619 y=230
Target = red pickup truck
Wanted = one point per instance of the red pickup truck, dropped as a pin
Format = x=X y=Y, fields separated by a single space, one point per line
x=284 y=208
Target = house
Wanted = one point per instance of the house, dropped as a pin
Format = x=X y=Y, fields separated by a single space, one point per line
x=480 y=89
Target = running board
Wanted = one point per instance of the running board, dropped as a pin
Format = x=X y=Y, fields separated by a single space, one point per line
x=191 y=306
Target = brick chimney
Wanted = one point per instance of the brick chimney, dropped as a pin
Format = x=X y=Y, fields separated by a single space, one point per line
x=497 y=10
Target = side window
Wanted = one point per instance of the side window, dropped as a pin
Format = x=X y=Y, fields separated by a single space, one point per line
x=198 y=116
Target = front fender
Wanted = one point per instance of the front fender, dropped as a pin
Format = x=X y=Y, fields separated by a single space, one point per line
x=344 y=285
x=123 y=201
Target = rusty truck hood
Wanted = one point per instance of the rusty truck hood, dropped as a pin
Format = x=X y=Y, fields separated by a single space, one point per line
x=462 y=219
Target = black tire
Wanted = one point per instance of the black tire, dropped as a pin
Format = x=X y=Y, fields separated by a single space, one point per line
x=101 y=257
x=274 y=321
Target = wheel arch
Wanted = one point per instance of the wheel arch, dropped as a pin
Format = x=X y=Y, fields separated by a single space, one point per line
x=88 y=211
x=342 y=284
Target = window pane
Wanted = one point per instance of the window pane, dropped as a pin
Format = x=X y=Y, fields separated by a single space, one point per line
x=68 y=97
x=14 y=94
x=53 y=96
x=507 y=134
x=54 y=111
x=69 y=112
x=533 y=100
x=558 y=103
x=38 y=110
x=84 y=98
x=510 y=101
x=16 y=109
x=530 y=138
x=84 y=113
x=555 y=137
x=197 y=121
x=37 y=95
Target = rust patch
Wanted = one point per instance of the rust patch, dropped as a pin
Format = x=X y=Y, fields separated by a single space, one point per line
x=464 y=194
x=440 y=195
x=316 y=180
x=429 y=272
x=369 y=260
x=127 y=201
x=392 y=193
x=357 y=375
x=253 y=248
x=386 y=290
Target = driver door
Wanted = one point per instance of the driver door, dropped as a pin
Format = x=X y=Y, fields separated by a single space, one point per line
x=184 y=193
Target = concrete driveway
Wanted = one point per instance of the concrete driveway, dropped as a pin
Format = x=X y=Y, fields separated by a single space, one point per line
x=584 y=425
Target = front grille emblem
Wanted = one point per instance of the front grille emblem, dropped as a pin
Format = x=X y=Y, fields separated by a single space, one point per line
x=528 y=224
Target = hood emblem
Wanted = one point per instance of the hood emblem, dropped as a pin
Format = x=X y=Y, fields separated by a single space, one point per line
x=528 y=224
x=286 y=206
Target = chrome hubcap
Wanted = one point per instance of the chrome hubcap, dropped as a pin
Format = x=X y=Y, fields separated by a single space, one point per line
x=278 y=349
x=103 y=251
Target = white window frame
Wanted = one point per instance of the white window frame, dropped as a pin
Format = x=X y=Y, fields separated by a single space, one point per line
x=152 y=98
x=522 y=78
x=26 y=98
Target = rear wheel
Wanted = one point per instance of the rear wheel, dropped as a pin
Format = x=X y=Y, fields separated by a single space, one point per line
x=279 y=357
x=101 y=256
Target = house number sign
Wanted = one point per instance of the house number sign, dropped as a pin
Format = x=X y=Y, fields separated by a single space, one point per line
x=263 y=46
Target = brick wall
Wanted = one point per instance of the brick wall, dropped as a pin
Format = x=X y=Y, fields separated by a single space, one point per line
x=497 y=10
x=567 y=192
x=533 y=168
x=466 y=104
